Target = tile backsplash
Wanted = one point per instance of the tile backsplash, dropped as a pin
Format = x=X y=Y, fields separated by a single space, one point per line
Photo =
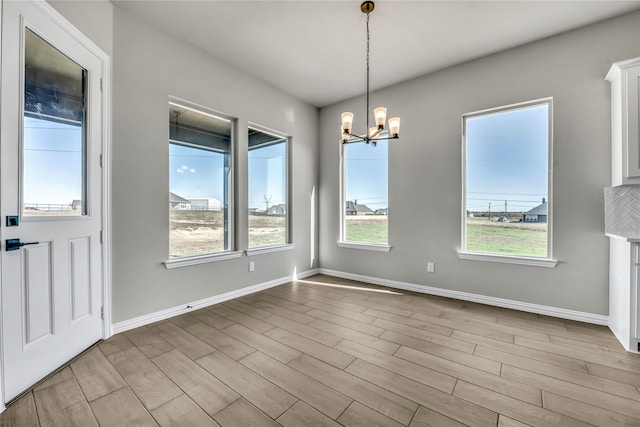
x=622 y=210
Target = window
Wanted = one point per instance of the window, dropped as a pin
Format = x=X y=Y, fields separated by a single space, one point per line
x=200 y=150
x=365 y=204
x=268 y=189
x=54 y=157
x=507 y=165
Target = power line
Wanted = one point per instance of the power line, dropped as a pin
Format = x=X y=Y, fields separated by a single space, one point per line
x=506 y=194
x=52 y=151
x=497 y=200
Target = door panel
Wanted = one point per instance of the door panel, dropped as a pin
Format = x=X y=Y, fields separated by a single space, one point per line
x=51 y=141
x=38 y=298
x=80 y=260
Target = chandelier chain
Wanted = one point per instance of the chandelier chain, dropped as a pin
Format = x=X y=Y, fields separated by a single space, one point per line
x=367 y=40
x=367 y=110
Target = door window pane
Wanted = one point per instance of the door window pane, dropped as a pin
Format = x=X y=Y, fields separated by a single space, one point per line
x=267 y=189
x=199 y=182
x=54 y=165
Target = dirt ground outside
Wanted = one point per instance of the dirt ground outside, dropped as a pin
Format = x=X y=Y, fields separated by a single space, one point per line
x=534 y=226
x=202 y=232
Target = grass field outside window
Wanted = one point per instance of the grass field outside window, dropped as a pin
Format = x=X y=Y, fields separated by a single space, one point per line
x=367 y=229
x=509 y=238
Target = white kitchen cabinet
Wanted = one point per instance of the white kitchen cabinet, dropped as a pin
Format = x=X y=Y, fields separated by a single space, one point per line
x=622 y=203
x=624 y=259
x=624 y=77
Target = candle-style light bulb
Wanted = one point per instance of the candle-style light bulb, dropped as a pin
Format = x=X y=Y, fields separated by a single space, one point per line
x=380 y=115
x=394 y=126
x=347 y=121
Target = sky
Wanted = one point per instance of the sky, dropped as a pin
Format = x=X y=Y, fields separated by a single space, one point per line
x=507 y=160
x=267 y=170
x=197 y=173
x=52 y=162
x=367 y=174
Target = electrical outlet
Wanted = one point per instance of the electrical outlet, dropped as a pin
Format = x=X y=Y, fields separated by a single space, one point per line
x=431 y=267
x=252 y=265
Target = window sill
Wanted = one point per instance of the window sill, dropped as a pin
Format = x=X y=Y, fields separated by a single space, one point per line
x=507 y=259
x=269 y=249
x=200 y=259
x=365 y=246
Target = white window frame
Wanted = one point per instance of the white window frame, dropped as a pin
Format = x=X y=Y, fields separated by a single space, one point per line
x=287 y=245
x=342 y=243
x=231 y=252
x=547 y=261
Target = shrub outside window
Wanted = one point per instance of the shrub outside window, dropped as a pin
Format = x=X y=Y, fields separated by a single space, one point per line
x=200 y=180
x=507 y=180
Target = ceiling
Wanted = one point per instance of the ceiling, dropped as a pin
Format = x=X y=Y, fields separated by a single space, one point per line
x=315 y=50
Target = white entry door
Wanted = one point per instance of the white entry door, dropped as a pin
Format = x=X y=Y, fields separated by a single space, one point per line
x=50 y=195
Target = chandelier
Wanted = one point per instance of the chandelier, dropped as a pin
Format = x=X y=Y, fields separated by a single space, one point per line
x=378 y=132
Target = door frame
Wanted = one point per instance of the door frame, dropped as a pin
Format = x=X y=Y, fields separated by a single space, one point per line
x=58 y=19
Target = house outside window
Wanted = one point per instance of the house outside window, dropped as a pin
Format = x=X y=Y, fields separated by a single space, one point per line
x=365 y=201
x=507 y=181
x=268 y=188
x=200 y=181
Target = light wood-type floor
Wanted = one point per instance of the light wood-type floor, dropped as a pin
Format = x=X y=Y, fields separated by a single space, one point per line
x=329 y=352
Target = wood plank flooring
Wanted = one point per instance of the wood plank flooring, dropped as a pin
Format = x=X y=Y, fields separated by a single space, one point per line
x=332 y=352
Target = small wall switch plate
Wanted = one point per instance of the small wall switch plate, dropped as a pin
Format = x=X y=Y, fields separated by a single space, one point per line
x=431 y=267
x=252 y=265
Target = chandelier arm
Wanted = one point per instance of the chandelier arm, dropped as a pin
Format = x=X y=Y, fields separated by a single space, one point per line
x=386 y=138
x=369 y=140
x=355 y=138
x=351 y=141
x=375 y=134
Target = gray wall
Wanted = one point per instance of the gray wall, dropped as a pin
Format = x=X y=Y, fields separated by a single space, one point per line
x=149 y=66
x=93 y=18
x=425 y=165
x=425 y=169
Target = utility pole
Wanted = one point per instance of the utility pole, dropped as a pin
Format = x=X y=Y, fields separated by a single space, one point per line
x=505 y=208
x=267 y=201
x=489 y=211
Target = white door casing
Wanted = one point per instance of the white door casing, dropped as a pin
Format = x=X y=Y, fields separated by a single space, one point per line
x=52 y=291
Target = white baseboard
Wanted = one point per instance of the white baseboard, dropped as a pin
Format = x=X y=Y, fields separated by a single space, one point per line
x=146 y=319
x=186 y=308
x=562 y=313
